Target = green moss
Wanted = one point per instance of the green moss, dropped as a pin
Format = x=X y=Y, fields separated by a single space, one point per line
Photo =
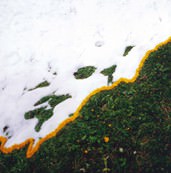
x=135 y=117
x=127 y=50
x=84 y=72
x=109 y=72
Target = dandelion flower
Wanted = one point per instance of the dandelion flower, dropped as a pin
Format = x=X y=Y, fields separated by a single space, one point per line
x=106 y=139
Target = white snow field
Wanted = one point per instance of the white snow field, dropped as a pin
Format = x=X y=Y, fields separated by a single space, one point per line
x=49 y=40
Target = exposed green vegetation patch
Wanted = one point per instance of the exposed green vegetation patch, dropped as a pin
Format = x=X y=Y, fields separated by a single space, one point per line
x=43 y=114
x=6 y=131
x=53 y=100
x=43 y=100
x=5 y=128
x=84 y=72
x=127 y=50
x=109 y=72
x=124 y=130
x=41 y=85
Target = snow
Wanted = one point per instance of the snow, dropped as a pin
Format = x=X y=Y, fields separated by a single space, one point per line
x=40 y=37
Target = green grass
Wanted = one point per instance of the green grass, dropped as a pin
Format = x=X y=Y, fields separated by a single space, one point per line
x=109 y=72
x=41 y=85
x=42 y=113
x=53 y=100
x=136 y=117
x=84 y=72
x=127 y=50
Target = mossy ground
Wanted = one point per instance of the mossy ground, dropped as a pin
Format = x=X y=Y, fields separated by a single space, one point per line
x=134 y=117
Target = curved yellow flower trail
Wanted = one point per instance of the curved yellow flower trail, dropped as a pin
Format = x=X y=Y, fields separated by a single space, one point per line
x=32 y=149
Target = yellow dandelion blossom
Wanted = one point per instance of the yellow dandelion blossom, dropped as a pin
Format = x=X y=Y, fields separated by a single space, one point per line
x=106 y=139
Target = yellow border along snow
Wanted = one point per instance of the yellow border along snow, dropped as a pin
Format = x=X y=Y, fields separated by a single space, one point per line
x=32 y=149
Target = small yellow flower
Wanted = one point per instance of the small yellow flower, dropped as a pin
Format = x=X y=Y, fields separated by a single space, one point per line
x=92 y=110
x=110 y=125
x=85 y=151
x=106 y=139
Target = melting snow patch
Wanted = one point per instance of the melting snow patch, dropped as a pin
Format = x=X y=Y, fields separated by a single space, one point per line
x=43 y=43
